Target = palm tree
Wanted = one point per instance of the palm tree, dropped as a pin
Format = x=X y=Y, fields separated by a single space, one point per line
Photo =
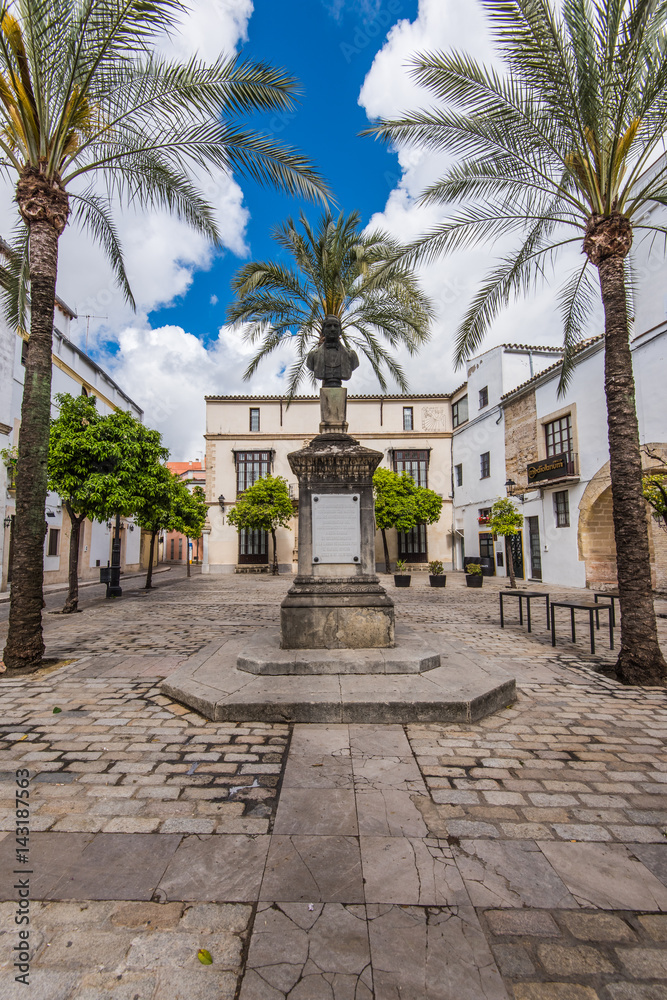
x=336 y=270
x=85 y=101
x=556 y=148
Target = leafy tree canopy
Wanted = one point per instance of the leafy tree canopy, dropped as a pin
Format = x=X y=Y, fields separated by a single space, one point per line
x=654 y=488
x=401 y=504
x=265 y=506
x=96 y=462
x=505 y=518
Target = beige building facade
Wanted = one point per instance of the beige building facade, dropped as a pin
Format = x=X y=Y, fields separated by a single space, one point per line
x=251 y=436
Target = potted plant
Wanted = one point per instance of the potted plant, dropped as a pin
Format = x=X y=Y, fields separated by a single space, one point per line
x=436 y=571
x=474 y=576
x=401 y=578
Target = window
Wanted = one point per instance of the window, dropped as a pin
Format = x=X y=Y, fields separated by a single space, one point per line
x=254 y=418
x=562 y=509
x=84 y=391
x=251 y=466
x=412 y=545
x=483 y=397
x=24 y=352
x=559 y=436
x=458 y=473
x=485 y=465
x=415 y=463
x=484 y=513
x=460 y=411
x=54 y=542
x=253 y=546
x=408 y=418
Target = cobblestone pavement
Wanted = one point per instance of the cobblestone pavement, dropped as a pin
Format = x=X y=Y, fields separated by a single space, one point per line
x=523 y=856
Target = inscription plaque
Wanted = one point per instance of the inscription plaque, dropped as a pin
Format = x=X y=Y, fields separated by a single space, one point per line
x=336 y=528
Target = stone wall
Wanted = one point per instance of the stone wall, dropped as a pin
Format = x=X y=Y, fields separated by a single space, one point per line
x=596 y=531
x=520 y=436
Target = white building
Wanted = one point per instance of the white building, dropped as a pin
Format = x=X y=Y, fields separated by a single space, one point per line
x=250 y=436
x=75 y=373
x=478 y=445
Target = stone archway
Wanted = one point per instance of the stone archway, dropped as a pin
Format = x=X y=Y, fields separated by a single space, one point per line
x=595 y=536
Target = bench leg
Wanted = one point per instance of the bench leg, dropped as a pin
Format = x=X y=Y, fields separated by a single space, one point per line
x=611 y=627
x=553 y=626
x=592 y=630
x=528 y=611
x=574 y=634
x=546 y=596
x=520 y=610
x=502 y=620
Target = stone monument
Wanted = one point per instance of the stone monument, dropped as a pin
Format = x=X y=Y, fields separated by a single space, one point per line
x=336 y=601
x=337 y=657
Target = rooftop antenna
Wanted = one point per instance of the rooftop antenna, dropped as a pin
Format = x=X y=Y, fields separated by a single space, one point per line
x=88 y=317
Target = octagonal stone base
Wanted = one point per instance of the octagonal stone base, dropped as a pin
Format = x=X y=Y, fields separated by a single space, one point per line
x=410 y=655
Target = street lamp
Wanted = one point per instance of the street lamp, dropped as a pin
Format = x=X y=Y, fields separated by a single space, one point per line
x=221 y=501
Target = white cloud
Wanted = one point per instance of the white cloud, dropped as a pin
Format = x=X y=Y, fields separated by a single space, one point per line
x=452 y=281
x=168 y=371
x=209 y=28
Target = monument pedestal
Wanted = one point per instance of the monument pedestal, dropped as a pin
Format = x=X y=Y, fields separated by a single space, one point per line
x=336 y=601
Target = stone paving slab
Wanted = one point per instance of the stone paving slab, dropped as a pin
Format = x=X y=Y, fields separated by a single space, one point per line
x=577 y=763
x=460 y=689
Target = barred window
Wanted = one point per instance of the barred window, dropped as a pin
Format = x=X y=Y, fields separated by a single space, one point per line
x=251 y=466
x=562 y=509
x=415 y=463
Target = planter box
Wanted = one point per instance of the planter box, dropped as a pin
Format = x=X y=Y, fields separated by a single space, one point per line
x=438 y=581
x=402 y=581
x=474 y=581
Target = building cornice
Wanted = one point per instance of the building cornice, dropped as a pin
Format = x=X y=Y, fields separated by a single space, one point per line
x=366 y=436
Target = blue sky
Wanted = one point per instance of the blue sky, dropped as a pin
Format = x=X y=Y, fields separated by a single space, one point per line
x=330 y=51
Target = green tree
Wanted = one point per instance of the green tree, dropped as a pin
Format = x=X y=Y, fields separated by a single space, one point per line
x=191 y=514
x=506 y=520
x=85 y=100
x=334 y=270
x=162 y=503
x=94 y=464
x=401 y=504
x=555 y=147
x=265 y=506
x=655 y=493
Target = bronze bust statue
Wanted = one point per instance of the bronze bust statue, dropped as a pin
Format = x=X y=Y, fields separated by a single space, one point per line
x=332 y=361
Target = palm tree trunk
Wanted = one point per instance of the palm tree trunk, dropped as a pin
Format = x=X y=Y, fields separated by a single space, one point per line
x=510 y=562
x=25 y=645
x=72 y=601
x=640 y=660
x=149 y=571
x=387 y=567
x=275 y=552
